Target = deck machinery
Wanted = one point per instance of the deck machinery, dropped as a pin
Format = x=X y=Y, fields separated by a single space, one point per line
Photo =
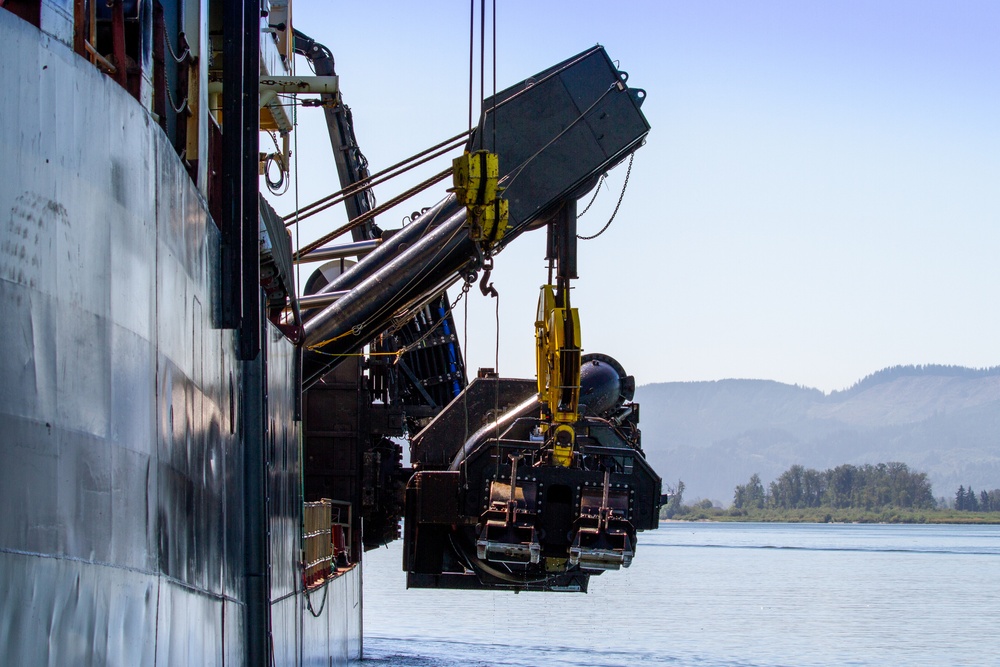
x=516 y=484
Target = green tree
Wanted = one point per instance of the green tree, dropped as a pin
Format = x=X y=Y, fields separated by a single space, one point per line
x=840 y=486
x=813 y=487
x=751 y=495
x=971 y=501
x=994 y=500
x=755 y=493
x=867 y=487
x=787 y=490
x=675 y=505
x=740 y=497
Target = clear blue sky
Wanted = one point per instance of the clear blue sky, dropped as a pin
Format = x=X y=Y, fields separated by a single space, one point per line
x=819 y=196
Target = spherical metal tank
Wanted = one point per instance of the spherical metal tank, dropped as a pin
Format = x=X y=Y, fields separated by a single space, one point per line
x=604 y=384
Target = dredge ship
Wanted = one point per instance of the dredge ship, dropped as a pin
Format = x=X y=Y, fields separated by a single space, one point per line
x=196 y=452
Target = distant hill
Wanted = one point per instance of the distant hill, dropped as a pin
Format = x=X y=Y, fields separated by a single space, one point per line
x=942 y=420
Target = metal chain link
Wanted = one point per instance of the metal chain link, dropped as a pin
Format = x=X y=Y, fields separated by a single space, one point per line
x=620 y=198
x=173 y=54
x=465 y=290
x=597 y=191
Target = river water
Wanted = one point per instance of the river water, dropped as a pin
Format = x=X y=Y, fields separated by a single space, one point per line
x=705 y=594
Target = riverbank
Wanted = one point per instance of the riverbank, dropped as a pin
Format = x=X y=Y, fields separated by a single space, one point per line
x=830 y=515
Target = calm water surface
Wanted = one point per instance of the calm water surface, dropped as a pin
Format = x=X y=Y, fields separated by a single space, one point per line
x=719 y=594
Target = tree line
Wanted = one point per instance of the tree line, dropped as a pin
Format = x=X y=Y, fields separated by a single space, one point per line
x=867 y=487
x=966 y=500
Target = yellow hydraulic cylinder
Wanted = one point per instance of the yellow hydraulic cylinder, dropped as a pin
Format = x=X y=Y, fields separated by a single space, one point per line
x=557 y=350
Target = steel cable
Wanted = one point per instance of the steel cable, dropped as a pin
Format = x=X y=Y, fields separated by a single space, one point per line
x=365 y=217
x=377 y=178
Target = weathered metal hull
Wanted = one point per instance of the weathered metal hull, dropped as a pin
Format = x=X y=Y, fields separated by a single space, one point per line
x=123 y=407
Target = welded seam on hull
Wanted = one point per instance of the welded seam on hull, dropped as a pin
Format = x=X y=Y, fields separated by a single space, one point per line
x=134 y=570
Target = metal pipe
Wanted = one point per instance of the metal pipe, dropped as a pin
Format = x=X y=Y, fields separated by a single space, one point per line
x=523 y=409
x=340 y=251
x=408 y=236
x=395 y=285
x=104 y=62
x=300 y=84
x=317 y=300
x=370 y=305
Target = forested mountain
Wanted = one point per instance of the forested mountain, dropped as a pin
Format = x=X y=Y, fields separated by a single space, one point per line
x=942 y=420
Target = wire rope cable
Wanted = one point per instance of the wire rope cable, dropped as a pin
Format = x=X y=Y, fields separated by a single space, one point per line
x=482 y=55
x=365 y=217
x=472 y=37
x=386 y=174
x=520 y=168
x=494 y=145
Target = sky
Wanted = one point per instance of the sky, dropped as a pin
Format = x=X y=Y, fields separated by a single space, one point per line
x=818 y=198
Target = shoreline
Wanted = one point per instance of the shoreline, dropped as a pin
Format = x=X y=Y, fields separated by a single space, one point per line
x=946 y=517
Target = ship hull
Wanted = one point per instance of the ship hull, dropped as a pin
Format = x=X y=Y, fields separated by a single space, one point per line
x=125 y=415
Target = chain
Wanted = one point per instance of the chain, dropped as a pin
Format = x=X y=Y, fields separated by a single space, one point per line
x=597 y=191
x=469 y=279
x=173 y=54
x=414 y=344
x=178 y=108
x=620 y=198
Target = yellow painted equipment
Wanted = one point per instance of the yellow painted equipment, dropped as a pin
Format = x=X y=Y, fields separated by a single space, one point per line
x=546 y=304
x=557 y=340
x=562 y=445
x=492 y=222
x=475 y=176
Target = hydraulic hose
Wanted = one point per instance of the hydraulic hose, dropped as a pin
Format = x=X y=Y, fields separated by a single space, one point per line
x=524 y=409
